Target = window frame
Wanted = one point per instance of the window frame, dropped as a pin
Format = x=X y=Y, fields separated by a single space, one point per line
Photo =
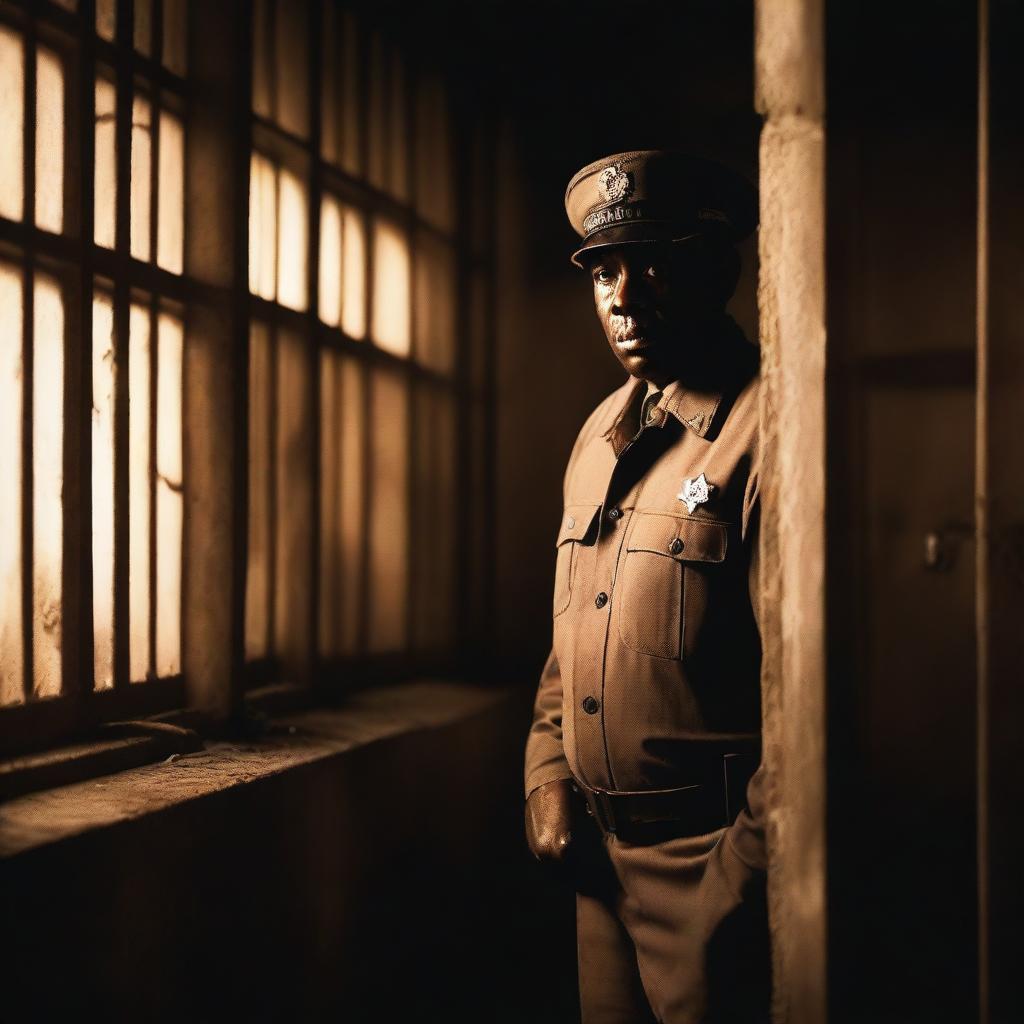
x=83 y=267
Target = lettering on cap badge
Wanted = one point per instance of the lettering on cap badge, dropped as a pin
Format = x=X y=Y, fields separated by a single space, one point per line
x=695 y=492
x=615 y=184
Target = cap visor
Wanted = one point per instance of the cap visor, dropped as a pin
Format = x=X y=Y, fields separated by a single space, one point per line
x=630 y=234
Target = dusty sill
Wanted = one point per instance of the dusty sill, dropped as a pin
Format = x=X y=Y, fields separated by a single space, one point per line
x=42 y=818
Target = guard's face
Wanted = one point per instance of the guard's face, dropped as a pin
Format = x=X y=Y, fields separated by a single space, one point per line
x=650 y=303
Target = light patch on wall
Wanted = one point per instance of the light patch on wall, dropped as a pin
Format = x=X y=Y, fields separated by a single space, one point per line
x=141 y=169
x=171 y=195
x=105 y=197
x=342 y=267
x=169 y=498
x=47 y=485
x=103 y=376
x=139 y=490
x=49 y=141
x=12 y=134
x=11 y=634
x=390 y=288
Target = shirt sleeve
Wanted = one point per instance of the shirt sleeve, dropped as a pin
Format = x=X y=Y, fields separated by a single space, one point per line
x=545 y=757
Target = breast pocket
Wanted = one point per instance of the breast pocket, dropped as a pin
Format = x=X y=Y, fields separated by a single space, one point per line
x=576 y=529
x=665 y=581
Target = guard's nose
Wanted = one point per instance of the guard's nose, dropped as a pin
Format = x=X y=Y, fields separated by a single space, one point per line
x=630 y=293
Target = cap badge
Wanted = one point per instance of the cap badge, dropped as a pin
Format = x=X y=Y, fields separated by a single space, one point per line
x=615 y=184
x=695 y=492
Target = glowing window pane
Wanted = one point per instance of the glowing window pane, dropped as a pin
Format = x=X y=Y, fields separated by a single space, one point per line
x=330 y=92
x=139 y=492
x=169 y=498
x=291 y=33
x=262 y=227
x=141 y=157
x=353 y=273
x=257 y=579
x=261 y=78
x=390 y=289
x=106 y=18
x=12 y=108
x=389 y=515
x=434 y=177
x=144 y=26
x=434 y=467
x=171 y=194
x=103 y=371
x=175 y=27
x=435 y=304
x=330 y=261
x=47 y=486
x=353 y=520
x=49 y=141
x=398 y=130
x=351 y=100
x=291 y=240
x=376 y=170
x=329 y=562
x=105 y=198
x=293 y=504
x=12 y=660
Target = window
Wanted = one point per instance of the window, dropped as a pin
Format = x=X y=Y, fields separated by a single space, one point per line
x=92 y=226
x=357 y=266
x=312 y=256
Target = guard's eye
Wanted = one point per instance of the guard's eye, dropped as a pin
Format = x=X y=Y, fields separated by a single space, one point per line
x=603 y=275
x=656 y=271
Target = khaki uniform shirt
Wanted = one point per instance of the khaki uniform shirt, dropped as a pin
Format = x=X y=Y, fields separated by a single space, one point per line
x=655 y=663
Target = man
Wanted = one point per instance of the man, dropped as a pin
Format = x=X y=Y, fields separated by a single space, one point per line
x=648 y=712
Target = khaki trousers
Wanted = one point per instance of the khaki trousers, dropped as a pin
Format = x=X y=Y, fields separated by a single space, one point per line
x=674 y=931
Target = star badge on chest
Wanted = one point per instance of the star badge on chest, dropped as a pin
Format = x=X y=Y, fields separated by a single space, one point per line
x=695 y=492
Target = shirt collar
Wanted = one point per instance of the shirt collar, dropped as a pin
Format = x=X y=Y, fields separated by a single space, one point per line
x=694 y=409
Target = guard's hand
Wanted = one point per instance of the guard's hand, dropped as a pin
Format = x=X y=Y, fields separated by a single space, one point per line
x=549 y=821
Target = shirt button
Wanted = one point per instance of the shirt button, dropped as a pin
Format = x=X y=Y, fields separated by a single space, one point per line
x=601 y=600
x=570 y=522
x=614 y=513
x=676 y=546
x=590 y=705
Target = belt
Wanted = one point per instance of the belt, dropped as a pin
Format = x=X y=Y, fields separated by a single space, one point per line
x=685 y=811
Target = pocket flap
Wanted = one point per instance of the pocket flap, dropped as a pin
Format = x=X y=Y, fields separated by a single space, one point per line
x=686 y=540
x=576 y=522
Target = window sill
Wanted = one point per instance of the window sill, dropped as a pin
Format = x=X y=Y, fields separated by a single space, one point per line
x=39 y=819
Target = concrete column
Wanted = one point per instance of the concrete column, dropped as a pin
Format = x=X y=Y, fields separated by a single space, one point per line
x=789 y=62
